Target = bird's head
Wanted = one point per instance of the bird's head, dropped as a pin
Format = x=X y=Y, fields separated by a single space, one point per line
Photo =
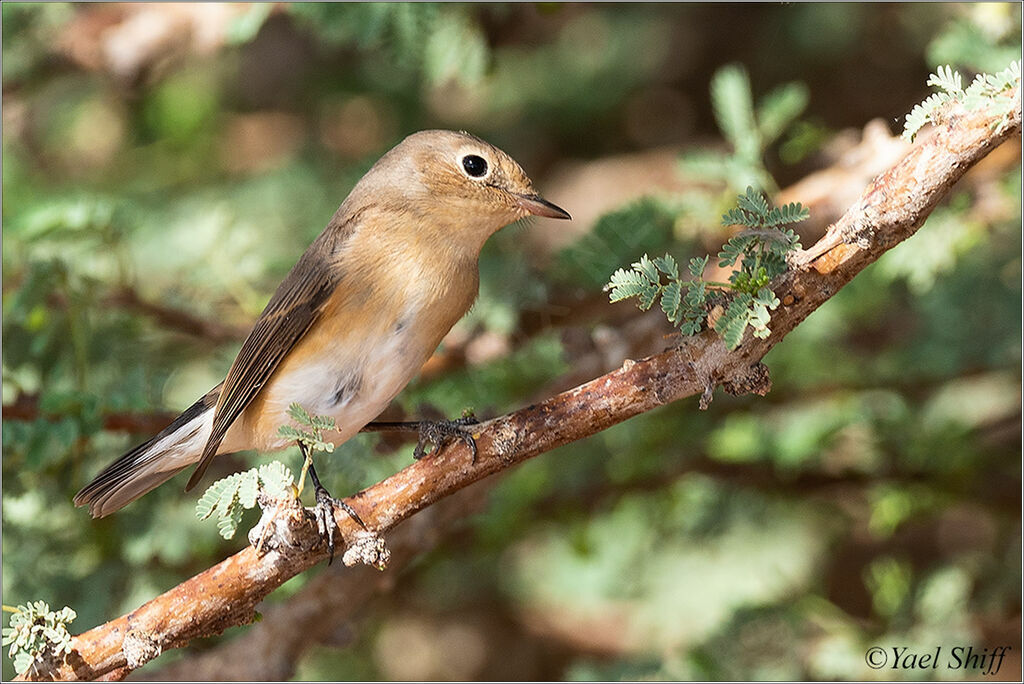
x=455 y=181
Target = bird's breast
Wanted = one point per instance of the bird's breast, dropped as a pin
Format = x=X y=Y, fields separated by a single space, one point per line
x=363 y=349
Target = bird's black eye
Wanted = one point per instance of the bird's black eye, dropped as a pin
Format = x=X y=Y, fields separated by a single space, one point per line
x=475 y=166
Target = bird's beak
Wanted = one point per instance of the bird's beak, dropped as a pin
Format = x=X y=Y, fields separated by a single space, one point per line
x=538 y=206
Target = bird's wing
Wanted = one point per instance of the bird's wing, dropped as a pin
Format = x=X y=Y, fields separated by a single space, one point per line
x=291 y=312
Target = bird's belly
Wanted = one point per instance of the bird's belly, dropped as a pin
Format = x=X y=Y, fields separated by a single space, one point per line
x=351 y=384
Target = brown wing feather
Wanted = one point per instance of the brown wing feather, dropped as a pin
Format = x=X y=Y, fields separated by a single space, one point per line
x=290 y=313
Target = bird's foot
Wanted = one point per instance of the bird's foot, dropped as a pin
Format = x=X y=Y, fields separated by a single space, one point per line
x=323 y=513
x=431 y=432
x=440 y=433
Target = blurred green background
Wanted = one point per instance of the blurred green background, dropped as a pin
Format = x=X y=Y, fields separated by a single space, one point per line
x=165 y=165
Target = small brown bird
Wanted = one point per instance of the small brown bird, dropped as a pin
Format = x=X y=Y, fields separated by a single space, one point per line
x=357 y=316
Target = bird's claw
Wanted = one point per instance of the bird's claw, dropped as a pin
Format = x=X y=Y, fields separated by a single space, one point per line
x=441 y=432
x=323 y=514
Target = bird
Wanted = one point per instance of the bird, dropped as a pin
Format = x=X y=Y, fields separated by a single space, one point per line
x=354 y=320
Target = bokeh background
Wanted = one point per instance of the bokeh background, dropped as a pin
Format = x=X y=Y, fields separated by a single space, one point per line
x=165 y=165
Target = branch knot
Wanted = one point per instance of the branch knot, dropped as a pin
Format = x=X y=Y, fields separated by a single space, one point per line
x=139 y=647
x=367 y=548
x=754 y=380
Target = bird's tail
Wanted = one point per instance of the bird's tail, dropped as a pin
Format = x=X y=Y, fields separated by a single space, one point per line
x=151 y=463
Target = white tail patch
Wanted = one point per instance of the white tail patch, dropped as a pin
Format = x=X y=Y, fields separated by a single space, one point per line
x=150 y=464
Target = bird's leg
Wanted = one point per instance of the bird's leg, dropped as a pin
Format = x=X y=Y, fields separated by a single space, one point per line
x=436 y=432
x=307 y=462
x=323 y=511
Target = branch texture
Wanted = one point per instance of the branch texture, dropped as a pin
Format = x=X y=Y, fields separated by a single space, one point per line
x=890 y=210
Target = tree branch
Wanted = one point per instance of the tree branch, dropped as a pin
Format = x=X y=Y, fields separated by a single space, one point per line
x=177 y=319
x=890 y=210
x=26 y=407
x=270 y=649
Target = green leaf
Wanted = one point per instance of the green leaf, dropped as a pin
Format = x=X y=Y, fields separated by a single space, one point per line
x=779 y=109
x=733 y=322
x=275 y=478
x=754 y=202
x=647 y=268
x=697 y=265
x=621 y=289
x=1008 y=77
x=667 y=265
x=248 y=488
x=978 y=94
x=696 y=296
x=923 y=113
x=228 y=496
x=734 y=249
x=625 y=284
x=916 y=120
x=948 y=80
x=671 y=298
x=647 y=296
x=766 y=297
x=36 y=631
x=323 y=423
x=985 y=90
x=227 y=525
x=22 y=661
x=299 y=414
x=690 y=326
x=737 y=217
x=791 y=237
x=794 y=212
x=734 y=110
x=208 y=501
x=760 y=252
x=291 y=433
